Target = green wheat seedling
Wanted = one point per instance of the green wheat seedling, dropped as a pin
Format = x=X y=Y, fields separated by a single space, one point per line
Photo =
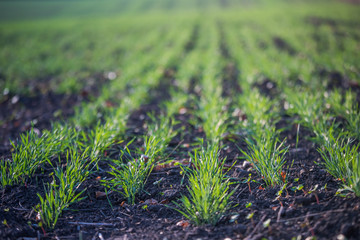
x=32 y=151
x=310 y=109
x=29 y=153
x=353 y=119
x=61 y=193
x=208 y=187
x=260 y=111
x=62 y=138
x=353 y=173
x=214 y=117
x=100 y=139
x=159 y=135
x=347 y=108
x=129 y=178
x=342 y=159
x=338 y=155
x=265 y=151
x=116 y=120
x=87 y=115
x=178 y=100
x=267 y=155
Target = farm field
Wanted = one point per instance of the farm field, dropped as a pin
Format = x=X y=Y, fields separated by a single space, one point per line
x=164 y=119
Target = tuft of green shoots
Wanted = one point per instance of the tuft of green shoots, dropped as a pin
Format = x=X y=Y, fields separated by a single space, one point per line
x=129 y=178
x=341 y=157
x=341 y=160
x=265 y=151
x=100 y=140
x=87 y=115
x=178 y=100
x=32 y=150
x=61 y=137
x=260 y=112
x=159 y=134
x=61 y=193
x=310 y=109
x=208 y=188
x=267 y=154
x=29 y=153
x=214 y=117
x=345 y=106
x=353 y=173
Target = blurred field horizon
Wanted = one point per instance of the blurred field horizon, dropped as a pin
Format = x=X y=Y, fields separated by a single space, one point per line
x=11 y=10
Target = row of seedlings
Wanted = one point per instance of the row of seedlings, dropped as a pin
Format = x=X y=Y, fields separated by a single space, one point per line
x=129 y=173
x=209 y=187
x=266 y=152
x=292 y=56
x=337 y=139
x=329 y=44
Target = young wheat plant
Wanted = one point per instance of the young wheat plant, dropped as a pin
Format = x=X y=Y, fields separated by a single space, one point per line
x=61 y=193
x=267 y=154
x=208 y=188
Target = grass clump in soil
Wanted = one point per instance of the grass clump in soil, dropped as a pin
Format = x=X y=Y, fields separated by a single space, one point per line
x=209 y=188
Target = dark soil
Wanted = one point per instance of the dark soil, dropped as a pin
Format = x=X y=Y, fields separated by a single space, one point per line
x=41 y=107
x=314 y=211
x=335 y=80
x=19 y=112
x=282 y=45
x=352 y=1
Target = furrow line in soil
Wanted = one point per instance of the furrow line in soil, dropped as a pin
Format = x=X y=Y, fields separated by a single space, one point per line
x=19 y=113
x=230 y=72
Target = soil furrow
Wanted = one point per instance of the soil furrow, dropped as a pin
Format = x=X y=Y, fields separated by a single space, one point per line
x=230 y=76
